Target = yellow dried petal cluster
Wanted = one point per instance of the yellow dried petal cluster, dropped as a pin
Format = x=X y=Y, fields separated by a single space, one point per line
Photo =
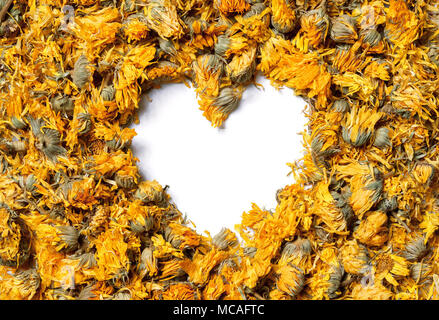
x=361 y=219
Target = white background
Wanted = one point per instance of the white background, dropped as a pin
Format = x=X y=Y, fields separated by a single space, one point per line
x=215 y=174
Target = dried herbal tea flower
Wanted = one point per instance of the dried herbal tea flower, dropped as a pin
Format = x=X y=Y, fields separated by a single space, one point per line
x=360 y=220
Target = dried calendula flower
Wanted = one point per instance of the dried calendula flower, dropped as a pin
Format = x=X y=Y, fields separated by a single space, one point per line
x=242 y=67
x=18 y=123
x=423 y=173
x=382 y=138
x=224 y=239
x=148 y=263
x=47 y=140
x=354 y=258
x=231 y=6
x=152 y=192
x=81 y=72
x=208 y=70
x=420 y=271
x=343 y=29
x=162 y=17
x=359 y=221
x=373 y=229
x=108 y=93
x=283 y=16
x=359 y=125
x=69 y=238
x=415 y=249
x=218 y=109
x=62 y=104
x=290 y=279
x=315 y=25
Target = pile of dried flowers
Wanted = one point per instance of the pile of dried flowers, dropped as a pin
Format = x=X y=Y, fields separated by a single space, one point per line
x=76 y=220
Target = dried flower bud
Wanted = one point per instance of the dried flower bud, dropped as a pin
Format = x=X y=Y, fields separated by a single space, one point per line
x=138 y=227
x=298 y=248
x=224 y=239
x=228 y=100
x=336 y=274
x=27 y=282
x=373 y=230
x=172 y=237
x=48 y=140
x=343 y=29
x=18 y=146
x=152 y=192
x=419 y=271
x=415 y=249
x=316 y=24
x=283 y=17
x=290 y=280
x=388 y=205
x=242 y=67
x=117 y=143
x=81 y=73
x=108 y=93
x=423 y=173
x=18 y=123
x=162 y=17
x=255 y=9
x=222 y=45
x=359 y=125
x=125 y=181
x=148 y=263
x=69 y=238
x=341 y=105
x=85 y=123
x=167 y=46
x=86 y=260
x=371 y=36
x=382 y=138
x=354 y=258
x=62 y=104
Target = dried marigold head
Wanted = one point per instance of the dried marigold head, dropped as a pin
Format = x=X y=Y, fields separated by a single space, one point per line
x=224 y=239
x=283 y=16
x=315 y=24
x=208 y=70
x=290 y=279
x=242 y=67
x=152 y=192
x=376 y=291
x=359 y=125
x=135 y=28
x=371 y=36
x=420 y=271
x=373 y=229
x=148 y=263
x=423 y=173
x=47 y=140
x=231 y=6
x=382 y=138
x=81 y=72
x=354 y=258
x=343 y=29
x=298 y=248
x=415 y=249
x=69 y=237
x=162 y=17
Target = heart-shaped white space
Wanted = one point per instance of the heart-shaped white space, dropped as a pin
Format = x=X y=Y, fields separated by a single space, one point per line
x=214 y=174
